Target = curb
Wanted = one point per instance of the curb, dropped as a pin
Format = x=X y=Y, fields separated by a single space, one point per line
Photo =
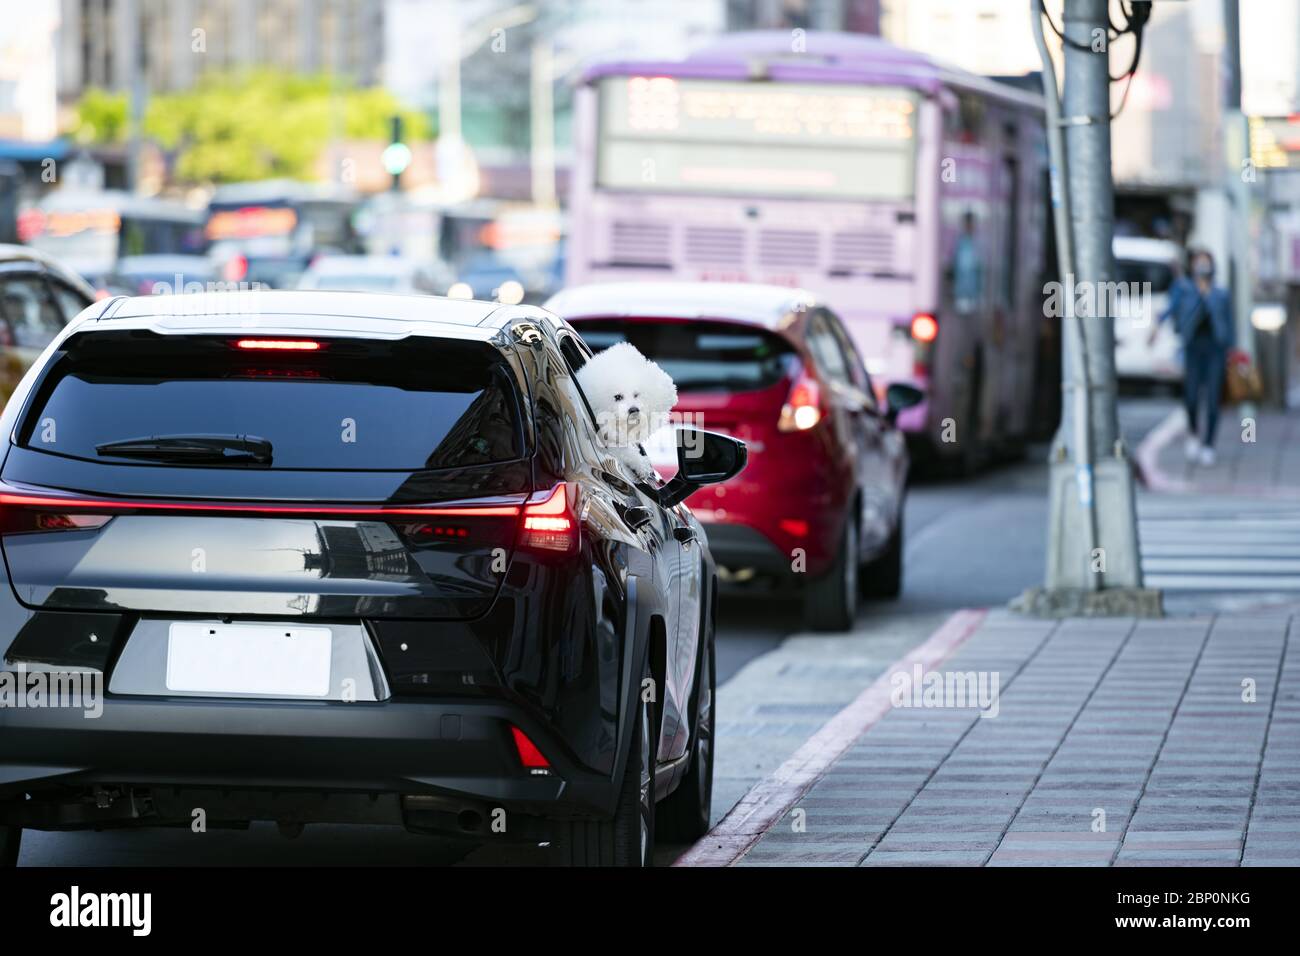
x=769 y=800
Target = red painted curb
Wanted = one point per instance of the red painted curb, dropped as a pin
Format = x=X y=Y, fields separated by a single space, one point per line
x=770 y=799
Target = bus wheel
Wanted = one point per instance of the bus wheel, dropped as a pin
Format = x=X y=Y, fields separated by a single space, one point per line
x=971 y=455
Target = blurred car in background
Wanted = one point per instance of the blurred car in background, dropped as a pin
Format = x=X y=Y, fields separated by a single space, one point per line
x=821 y=503
x=377 y=274
x=91 y=230
x=493 y=277
x=154 y=275
x=38 y=297
x=268 y=232
x=1148 y=266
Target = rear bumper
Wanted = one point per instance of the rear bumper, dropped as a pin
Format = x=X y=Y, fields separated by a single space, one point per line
x=446 y=752
x=736 y=546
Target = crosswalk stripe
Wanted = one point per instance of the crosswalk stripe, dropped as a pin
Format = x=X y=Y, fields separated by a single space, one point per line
x=1192 y=543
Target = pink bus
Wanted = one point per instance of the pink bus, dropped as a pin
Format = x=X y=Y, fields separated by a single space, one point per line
x=909 y=197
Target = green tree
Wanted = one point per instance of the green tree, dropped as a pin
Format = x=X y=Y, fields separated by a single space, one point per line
x=251 y=125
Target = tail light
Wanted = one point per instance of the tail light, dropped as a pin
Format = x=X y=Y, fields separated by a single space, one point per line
x=803 y=407
x=925 y=329
x=236 y=269
x=549 y=522
x=16 y=518
x=529 y=755
x=279 y=345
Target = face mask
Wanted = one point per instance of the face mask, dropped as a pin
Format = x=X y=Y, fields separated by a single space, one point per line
x=1203 y=271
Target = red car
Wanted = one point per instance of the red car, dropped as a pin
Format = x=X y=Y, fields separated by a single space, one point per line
x=821 y=503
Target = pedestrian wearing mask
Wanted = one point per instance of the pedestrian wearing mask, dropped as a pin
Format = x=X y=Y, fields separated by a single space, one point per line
x=1202 y=315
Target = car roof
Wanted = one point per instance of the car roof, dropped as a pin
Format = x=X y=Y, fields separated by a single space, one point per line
x=308 y=312
x=11 y=254
x=765 y=305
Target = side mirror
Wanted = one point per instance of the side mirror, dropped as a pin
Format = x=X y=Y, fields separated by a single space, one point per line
x=703 y=458
x=900 y=396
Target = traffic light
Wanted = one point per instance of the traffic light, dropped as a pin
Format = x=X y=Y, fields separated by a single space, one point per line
x=397 y=155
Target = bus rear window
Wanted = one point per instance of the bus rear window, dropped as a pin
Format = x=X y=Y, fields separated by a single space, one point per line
x=407 y=406
x=700 y=356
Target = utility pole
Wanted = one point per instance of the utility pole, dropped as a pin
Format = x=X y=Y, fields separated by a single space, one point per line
x=135 y=71
x=1093 y=564
x=1237 y=143
x=542 y=122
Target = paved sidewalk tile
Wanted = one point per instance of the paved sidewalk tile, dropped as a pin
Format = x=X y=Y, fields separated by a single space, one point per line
x=1108 y=743
x=1259 y=455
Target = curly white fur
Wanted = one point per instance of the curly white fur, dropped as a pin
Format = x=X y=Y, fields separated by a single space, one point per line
x=631 y=397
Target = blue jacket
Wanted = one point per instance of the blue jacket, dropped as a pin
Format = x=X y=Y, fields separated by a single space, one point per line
x=1184 y=298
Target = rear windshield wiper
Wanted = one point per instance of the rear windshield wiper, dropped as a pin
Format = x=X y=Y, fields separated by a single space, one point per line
x=199 y=449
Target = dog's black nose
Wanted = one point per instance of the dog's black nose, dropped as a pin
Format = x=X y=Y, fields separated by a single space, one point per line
x=634 y=410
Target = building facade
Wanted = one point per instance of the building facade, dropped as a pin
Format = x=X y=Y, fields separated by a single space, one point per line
x=176 y=41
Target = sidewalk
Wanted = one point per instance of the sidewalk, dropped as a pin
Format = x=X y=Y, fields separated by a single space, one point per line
x=1114 y=742
x=1267 y=467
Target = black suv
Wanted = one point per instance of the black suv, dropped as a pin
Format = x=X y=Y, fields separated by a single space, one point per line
x=338 y=557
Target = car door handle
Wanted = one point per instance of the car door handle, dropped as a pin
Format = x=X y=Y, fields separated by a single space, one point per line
x=684 y=534
x=638 y=517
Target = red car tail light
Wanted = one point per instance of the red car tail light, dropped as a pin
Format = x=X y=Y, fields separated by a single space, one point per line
x=803 y=407
x=529 y=755
x=549 y=522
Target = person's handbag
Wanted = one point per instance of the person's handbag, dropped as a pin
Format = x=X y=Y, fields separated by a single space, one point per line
x=1241 y=381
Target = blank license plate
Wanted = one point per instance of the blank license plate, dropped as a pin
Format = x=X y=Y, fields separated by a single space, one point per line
x=249 y=659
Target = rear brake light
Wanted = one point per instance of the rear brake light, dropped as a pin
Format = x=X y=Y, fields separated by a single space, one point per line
x=925 y=328
x=549 y=523
x=16 y=519
x=14 y=500
x=803 y=408
x=529 y=755
x=236 y=269
x=279 y=345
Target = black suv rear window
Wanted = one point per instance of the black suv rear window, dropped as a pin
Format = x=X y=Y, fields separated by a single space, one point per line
x=700 y=356
x=356 y=405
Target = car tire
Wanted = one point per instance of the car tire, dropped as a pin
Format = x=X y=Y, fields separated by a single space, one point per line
x=830 y=602
x=629 y=838
x=683 y=816
x=882 y=577
x=11 y=839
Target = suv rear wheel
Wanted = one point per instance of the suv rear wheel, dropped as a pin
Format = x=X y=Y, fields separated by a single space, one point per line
x=629 y=838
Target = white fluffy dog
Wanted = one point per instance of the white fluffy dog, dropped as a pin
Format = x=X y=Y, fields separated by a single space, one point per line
x=631 y=397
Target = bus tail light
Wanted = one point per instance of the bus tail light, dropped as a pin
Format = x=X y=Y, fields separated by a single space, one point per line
x=803 y=407
x=924 y=329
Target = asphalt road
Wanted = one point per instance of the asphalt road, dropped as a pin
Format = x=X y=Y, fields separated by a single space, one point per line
x=969 y=543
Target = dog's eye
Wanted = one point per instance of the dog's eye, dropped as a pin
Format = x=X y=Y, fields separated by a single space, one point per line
x=618 y=397
x=636 y=394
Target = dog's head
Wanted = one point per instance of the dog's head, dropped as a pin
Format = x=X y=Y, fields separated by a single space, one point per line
x=630 y=394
